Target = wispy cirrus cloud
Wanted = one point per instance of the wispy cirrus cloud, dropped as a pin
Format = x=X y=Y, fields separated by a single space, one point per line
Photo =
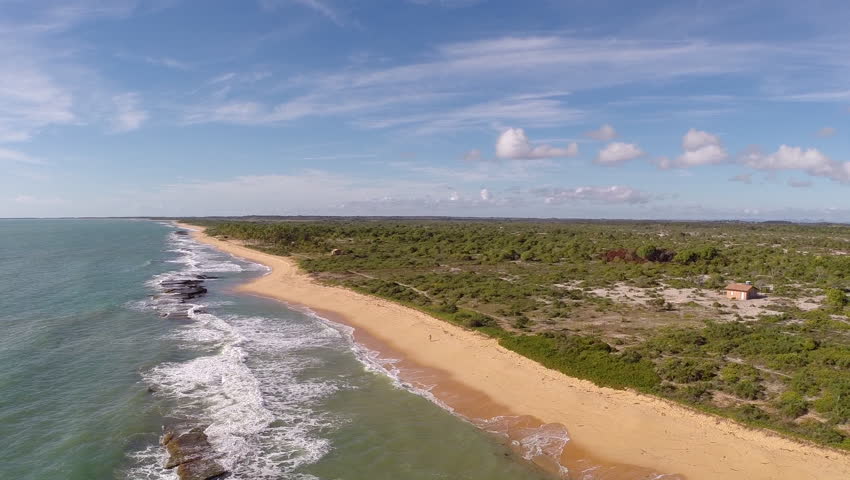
x=14 y=156
x=43 y=82
x=30 y=99
x=322 y=7
x=598 y=194
x=743 y=178
x=473 y=84
x=799 y=183
x=128 y=112
x=826 y=132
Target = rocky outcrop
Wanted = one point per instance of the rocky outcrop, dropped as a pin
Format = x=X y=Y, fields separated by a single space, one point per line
x=185 y=289
x=193 y=456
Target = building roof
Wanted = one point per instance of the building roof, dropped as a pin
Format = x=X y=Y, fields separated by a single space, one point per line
x=739 y=287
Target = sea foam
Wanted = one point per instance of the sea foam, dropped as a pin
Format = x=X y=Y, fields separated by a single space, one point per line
x=246 y=383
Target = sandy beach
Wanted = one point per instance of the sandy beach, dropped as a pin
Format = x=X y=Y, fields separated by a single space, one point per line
x=630 y=434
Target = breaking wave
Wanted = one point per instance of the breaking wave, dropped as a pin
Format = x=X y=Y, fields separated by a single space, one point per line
x=247 y=385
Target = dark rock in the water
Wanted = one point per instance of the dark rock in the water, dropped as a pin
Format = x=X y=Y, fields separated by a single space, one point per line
x=188 y=447
x=187 y=292
x=193 y=456
x=182 y=281
x=186 y=289
x=181 y=232
x=203 y=469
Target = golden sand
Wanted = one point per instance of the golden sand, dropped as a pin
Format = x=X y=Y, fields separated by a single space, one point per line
x=630 y=432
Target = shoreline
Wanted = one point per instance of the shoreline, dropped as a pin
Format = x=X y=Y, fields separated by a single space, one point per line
x=630 y=435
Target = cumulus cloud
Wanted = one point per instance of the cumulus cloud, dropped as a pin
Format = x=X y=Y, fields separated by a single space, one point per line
x=699 y=148
x=826 y=132
x=605 y=133
x=811 y=161
x=485 y=195
x=597 y=194
x=128 y=115
x=514 y=144
x=618 y=152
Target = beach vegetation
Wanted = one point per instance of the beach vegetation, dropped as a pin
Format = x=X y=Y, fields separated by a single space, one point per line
x=625 y=304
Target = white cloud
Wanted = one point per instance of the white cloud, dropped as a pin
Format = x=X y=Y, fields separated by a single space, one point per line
x=30 y=99
x=38 y=201
x=492 y=68
x=599 y=194
x=811 y=161
x=321 y=7
x=605 y=133
x=7 y=155
x=695 y=139
x=532 y=110
x=485 y=195
x=700 y=148
x=514 y=144
x=800 y=183
x=169 y=62
x=743 y=178
x=822 y=96
x=45 y=80
x=128 y=115
x=826 y=132
x=473 y=155
x=618 y=152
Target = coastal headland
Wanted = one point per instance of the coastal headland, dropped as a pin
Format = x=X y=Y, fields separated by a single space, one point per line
x=619 y=433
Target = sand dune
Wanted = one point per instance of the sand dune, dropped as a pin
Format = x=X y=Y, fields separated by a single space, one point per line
x=617 y=427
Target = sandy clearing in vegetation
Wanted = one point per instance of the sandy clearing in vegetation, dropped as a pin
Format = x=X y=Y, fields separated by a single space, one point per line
x=622 y=293
x=616 y=426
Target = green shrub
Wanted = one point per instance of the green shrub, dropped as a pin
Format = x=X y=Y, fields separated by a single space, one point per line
x=686 y=370
x=521 y=322
x=584 y=357
x=751 y=413
x=792 y=404
x=835 y=298
x=820 y=432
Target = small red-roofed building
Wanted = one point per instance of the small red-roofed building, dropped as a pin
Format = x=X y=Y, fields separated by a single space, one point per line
x=741 y=291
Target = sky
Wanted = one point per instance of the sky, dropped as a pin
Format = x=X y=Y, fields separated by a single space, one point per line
x=678 y=109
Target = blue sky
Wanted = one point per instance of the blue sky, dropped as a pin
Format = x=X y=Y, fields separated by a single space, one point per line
x=655 y=109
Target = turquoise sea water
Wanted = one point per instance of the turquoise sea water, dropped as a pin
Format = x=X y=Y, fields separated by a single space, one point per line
x=95 y=358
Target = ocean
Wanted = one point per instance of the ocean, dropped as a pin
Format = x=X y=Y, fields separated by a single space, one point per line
x=97 y=356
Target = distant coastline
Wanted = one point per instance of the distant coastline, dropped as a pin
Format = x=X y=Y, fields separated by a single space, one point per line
x=619 y=428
